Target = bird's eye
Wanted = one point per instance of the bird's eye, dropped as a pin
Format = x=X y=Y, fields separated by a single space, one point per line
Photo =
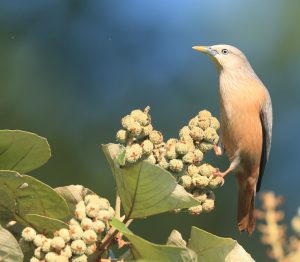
x=224 y=51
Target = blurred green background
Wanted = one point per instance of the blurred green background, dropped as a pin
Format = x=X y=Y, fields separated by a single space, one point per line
x=69 y=70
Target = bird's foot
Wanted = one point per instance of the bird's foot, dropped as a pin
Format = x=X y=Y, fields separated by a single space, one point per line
x=221 y=175
x=218 y=150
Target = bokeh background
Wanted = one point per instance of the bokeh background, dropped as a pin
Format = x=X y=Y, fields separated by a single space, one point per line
x=69 y=70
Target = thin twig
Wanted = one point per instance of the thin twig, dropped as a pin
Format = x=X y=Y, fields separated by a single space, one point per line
x=118 y=206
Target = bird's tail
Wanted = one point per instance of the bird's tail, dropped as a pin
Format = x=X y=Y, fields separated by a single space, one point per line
x=246 y=194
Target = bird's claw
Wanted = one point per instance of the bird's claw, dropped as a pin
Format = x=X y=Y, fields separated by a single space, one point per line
x=219 y=174
x=218 y=150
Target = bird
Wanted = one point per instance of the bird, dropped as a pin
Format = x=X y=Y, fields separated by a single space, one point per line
x=246 y=121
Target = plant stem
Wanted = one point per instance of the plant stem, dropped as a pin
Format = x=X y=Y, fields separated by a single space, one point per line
x=118 y=206
x=110 y=236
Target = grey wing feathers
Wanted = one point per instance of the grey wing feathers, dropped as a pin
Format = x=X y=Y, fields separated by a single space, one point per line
x=266 y=117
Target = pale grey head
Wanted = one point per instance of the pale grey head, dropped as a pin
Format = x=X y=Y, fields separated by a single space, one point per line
x=226 y=57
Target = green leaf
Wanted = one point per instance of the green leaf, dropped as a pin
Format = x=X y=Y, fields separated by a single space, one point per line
x=22 y=151
x=176 y=239
x=211 y=248
x=121 y=158
x=10 y=250
x=44 y=224
x=21 y=195
x=73 y=194
x=143 y=250
x=146 y=189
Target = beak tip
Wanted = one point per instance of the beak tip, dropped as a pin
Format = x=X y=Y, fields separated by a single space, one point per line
x=202 y=49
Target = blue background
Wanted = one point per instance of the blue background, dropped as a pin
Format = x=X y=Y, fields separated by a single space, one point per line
x=69 y=70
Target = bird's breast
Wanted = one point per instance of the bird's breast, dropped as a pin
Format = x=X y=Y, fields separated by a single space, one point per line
x=240 y=102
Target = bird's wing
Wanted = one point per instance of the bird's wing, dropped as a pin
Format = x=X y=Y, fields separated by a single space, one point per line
x=266 y=118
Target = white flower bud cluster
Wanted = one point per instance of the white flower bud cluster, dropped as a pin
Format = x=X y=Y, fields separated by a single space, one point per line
x=183 y=157
x=141 y=141
x=78 y=241
x=207 y=200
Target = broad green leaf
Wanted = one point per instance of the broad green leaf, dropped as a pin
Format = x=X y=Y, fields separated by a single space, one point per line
x=211 y=248
x=143 y=250
x=22 y=151
x=21 y=195
x=176 y=239
x=10 y=250
x=73 y=194
x=146 y=189
x=44 y=224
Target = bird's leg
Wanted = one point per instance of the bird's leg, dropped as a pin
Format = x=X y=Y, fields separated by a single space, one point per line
x=231 y=168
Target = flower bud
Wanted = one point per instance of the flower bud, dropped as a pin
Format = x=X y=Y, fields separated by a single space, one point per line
x=188 y=158
x=140 y=117
x=92 y=209
x=82 y=258
x=46 y=247
x=34 y=259
x=163 y=163
x=90 y=249
x=89 y=237
x=78 y=247
x=86 y=223
x=58 y=243
x=147 y=146
x=197 y=133
x=91 y=198
x=80 y=210
x=146 y=130
x=186 y=181
x=215 y=182
x=193 y=122
x=176 y=165
x=151 y=159
x=171 y=152
x=135 y=129
x=204 y=147
x=66 y=252
x=206 y=170
x=51 y=257
x=192 y=170
x=200 y=196
x=211 y=136
x=28 y=234
x=127 y=121
x=185 y=131
x=73 y=221
x=75 y=232
x=214 y=123
x=133 y=153
x=208 y=205
x=204 y=114
x=195 y=210
x=121 y=136
x=38 y=240
x=203 y=123
x=200 y=181
x=103 y=215
x=98 y=226
x=38 y=253
x=181 y=147
x=198 y=156
x=156 y=137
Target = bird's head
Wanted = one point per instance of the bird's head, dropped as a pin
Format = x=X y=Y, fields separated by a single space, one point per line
x=226 y=57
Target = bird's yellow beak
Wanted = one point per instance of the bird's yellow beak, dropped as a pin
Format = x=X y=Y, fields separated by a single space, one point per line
x=203 y=49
